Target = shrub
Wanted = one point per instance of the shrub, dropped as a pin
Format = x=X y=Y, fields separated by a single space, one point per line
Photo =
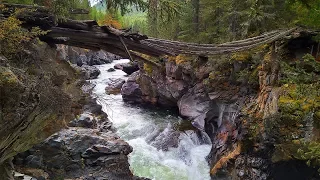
x=13 y=37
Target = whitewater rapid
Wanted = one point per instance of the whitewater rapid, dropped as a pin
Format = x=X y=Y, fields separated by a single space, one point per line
x=139 y=127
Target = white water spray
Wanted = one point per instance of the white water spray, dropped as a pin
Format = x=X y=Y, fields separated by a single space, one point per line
x=139 y=127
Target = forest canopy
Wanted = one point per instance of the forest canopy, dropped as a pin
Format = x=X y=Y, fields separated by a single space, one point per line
x=204 y=21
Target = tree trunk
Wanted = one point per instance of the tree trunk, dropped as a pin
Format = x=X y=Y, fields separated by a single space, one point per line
x=196 y=7
x=153 y=17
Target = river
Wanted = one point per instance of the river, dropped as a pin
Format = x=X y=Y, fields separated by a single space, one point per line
x=145 y=129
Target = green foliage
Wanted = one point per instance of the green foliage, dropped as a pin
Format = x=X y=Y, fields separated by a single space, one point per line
x=137 y=21
x=302 y=71
x=61 y=8
x=307 y=12
x=309 y=152
x=13 y=37
x=124 y=6
x=215 y=21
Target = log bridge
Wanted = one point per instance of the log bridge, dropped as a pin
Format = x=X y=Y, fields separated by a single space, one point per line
x=89 y=35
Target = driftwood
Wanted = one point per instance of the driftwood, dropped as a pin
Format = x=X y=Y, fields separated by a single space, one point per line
x=88 y=34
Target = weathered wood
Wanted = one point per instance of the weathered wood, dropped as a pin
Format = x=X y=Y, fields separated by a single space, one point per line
x=87 y=34
x=125 y=47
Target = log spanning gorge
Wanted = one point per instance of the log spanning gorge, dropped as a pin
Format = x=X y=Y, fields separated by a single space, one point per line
x=227 y=104
x=89 y=35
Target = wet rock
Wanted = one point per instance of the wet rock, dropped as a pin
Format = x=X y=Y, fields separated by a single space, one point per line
x=193 y=105
x=128 y=68
x=159 y=89
x=87 y=72
x=130 y=90
x=77 y=152
x=87 y=87
x=114 y=86
x=81 y=56
x=111 y=70
x=86 y=120
x=81 y=60
x=111 y=148
x=100 y=57
x=33 y=161
x=169 y=138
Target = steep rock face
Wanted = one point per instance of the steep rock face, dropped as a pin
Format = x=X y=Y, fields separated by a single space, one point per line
x=245 y=102
x=89 y=149
x=128 y=68
x=39 y=93
x=81 y=56
x=87 y=72
x=114 y=86
x=156 y=87
x=131 y=91
x=81 y=153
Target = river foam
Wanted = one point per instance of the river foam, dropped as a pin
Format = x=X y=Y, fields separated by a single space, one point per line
x=140 y=127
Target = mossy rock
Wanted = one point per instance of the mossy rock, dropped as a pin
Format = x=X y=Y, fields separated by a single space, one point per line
x=33 y=106
x=147 y=68
x=7 y=77
x=242 y=56
x=298 y=149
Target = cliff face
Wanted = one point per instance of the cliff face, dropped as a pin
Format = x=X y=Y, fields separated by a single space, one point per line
x=39 y=93
x=88 y=149
x=51 y=125
x=260 y=108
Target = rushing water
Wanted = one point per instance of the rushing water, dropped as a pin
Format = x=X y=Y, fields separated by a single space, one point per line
x=142 y=127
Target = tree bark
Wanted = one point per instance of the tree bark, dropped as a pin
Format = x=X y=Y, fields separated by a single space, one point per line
x=196 y=7
x=153 y=17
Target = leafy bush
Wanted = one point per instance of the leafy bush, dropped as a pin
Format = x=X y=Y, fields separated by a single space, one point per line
x=13 y=37
x=303 y=71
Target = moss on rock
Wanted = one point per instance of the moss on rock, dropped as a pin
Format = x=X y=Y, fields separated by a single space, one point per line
x=32 y=105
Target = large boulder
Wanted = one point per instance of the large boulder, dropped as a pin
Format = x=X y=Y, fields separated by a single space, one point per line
x=128 y=68
x=100 y=57
x=86 y=120
x=130 y=90
x=89 y=149
x=81 y=153
x=114 y=85
x=87 y=72
x=160 y=88
x=169 y=138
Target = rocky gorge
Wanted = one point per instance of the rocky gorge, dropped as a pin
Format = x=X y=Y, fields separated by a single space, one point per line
x=259 y=109
x=260 y=122
x=247 y=109
x=253 y=105
x=51 y=91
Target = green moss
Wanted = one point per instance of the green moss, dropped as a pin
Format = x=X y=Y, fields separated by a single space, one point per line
x=147 y=68
x=7 y=77
x=305 y=151
x=241 y=56
x=296 y=101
